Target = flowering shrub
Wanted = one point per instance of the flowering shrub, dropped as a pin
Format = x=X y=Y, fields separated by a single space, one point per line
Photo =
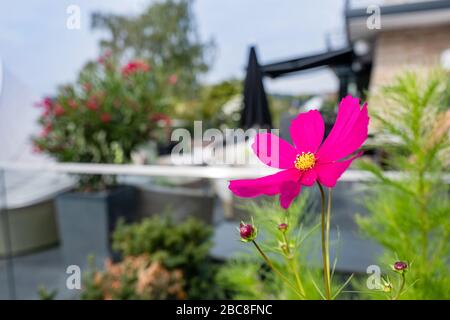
x=104 y=116
x=177 y=246
x=134 y=278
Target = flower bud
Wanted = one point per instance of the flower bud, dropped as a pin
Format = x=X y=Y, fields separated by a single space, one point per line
x=283 y=227
x=247 y=232
x=386 y=286
x=400 y=266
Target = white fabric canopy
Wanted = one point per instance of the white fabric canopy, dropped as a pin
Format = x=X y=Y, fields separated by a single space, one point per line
x=18 y=122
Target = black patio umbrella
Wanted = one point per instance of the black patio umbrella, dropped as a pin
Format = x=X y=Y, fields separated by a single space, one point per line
x=256 y=108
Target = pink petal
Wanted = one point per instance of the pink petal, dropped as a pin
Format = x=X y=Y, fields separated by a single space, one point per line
x=329 y=173
x=289 y=190
x=308 y=178
x=307 y=131
x=273 y=151
x=348 y=133
x=268 y=185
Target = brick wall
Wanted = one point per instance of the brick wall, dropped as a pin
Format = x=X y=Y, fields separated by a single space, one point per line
x=414 y=49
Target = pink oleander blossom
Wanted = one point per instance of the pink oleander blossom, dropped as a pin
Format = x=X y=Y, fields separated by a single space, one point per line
x=135 y=66
x=309 y=160
x=46 y=130
x=92 y=103
x=58 y=110
x=72 y=103
x=105 y=117
x=173 y=79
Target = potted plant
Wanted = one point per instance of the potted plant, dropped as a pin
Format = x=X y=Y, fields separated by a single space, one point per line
x=102 y=118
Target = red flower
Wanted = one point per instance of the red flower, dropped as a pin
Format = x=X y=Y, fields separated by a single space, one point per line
x=161 y=117
x=58 y=110
x=92 y=103
x=311 y=159
x=47 y=104
x=46 y=130
x=104 y=57
x=72 y=103
x=105 y=117
x=173 y=79
x=135 y=66
x=37 y=148
x=87 y=86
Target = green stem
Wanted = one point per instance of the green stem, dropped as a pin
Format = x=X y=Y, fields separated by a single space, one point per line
x=325 y=245
x=293 y=265
x=423 y=215
x=402 y=285
x=327 y=240
x=271 y=266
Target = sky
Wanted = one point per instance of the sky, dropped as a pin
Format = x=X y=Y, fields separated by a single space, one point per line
x=38 y=49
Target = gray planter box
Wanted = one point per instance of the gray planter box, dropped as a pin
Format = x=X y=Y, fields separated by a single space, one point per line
x=178 y=202
x=86 y=222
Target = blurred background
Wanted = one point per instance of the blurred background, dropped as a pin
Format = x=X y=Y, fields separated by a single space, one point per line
x=95 y=94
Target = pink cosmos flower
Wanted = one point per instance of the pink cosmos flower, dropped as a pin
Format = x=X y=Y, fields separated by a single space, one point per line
x=135 y=66
x=310 y=160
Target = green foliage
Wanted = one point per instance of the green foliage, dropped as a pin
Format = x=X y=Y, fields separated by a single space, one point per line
x=184 y=246
x=281 y=103
x=209 y=107
x=247 y=277
x=329 y=110
x=165 y=34
x=45 y=294
x=103 y=117
x=410 y=216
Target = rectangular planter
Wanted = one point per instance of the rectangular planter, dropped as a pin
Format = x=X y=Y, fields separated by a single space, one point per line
x=178 y=202
x=86 y=222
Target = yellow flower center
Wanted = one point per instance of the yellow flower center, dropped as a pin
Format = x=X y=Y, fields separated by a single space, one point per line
x=305 y=161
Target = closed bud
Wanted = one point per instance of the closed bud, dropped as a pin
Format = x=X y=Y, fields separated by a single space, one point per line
x=282 y=227
x=247 y=232
x=400 y=266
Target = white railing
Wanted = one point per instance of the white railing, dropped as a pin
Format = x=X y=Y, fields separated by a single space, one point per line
x=209 y=172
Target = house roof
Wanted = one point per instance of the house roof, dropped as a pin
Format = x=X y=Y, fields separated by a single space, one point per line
x=398 y=16
x=405 y=8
